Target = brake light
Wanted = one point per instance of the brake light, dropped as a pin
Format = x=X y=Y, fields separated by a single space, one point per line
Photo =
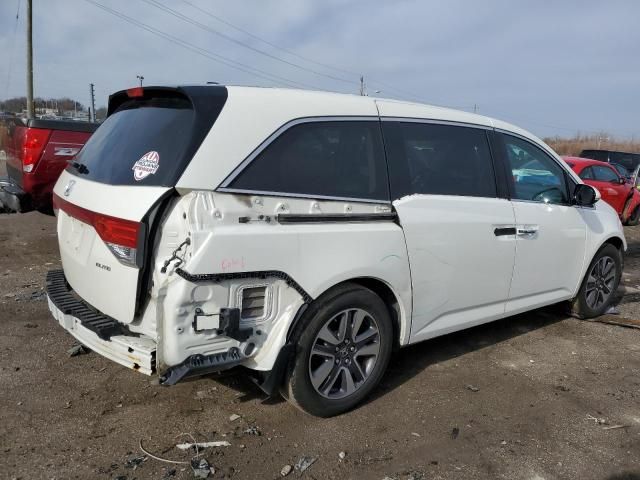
x=35 y=139
x=120 y=236
x=135 y=92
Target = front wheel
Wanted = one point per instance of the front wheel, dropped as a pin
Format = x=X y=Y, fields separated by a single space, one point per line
x=634 y=218
x=600 y=283
x=343 y=350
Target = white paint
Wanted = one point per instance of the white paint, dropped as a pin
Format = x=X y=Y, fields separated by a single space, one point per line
x=443 y=263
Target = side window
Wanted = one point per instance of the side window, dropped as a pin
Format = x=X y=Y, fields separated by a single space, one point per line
x=587 y=174
x=536 y=176
x=329 y=159
x=604 y=174
x=439 y=160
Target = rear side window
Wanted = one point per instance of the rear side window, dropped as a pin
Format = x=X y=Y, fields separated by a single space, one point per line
x=439 y=160
x=535 y=175
x=587 y=174
x=343 y=159
x=604 y=174
x=147 y=140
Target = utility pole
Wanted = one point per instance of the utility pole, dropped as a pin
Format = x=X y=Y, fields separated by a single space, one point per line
x=141 y=78
x=92 y=116
x=363 y=92
x=30 y=106
x=475 y=108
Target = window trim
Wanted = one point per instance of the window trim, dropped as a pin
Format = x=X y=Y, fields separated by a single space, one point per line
x=452 y=123
x=225 y=188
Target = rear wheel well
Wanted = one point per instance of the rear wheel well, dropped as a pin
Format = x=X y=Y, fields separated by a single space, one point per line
x=388 y=297
x=376 y=286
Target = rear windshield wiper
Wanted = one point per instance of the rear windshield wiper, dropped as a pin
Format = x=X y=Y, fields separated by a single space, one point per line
x=81 y=168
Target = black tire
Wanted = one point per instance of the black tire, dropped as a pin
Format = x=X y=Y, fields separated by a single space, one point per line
x=582 y=307
x=325 y=312
x=634 y=218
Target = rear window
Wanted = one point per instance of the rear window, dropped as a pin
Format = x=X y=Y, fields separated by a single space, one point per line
x=145 y=141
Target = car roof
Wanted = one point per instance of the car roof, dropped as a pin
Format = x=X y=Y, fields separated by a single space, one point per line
x=271 y=108
x=579 y=161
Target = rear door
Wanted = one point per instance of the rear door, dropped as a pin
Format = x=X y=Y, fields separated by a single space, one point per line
x=104 y=200
x=551 y=232
x=460 y=234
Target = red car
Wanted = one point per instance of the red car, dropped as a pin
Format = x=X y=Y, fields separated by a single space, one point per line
x=614 y=189
x=37 y=151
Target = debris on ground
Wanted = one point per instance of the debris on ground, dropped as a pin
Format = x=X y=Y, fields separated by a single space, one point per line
x=620 y=321
x=454 y=433
x=30 y=325
x=33 y=296
x=201 y=468
x=613 y=427
x=187 y=446
x=135 y=461
x=286 y=470
x=415 y=475
x=234 y=417
x=342 y=455
x=253 y=430
x=304 y=463
x=77 y=349
x=170 y=472
x=415 y=434
x=596 y=420
x=472 y=388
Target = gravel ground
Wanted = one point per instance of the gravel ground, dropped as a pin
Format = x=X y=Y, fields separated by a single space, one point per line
x=536 y=396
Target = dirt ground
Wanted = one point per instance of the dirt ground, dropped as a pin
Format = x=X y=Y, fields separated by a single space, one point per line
x=537 y=396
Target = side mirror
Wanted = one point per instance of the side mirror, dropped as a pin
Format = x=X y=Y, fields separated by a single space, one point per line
x=585 y=195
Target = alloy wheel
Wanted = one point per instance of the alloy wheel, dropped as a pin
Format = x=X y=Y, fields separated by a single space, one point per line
x=600 y=282
x=344 y=353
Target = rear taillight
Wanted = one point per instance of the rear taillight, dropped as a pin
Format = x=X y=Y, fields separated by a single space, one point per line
x=35 y=139
x=121 y=236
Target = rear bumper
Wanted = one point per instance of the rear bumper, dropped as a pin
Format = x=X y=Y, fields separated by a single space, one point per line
x=13 y=198
x=95 y=330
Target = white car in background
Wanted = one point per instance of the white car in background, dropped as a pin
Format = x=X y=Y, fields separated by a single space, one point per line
x=305 y=235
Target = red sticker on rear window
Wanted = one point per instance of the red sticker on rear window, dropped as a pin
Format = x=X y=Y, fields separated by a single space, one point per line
x=147 y=165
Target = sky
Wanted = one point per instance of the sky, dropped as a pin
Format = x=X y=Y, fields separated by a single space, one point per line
x=551 y=67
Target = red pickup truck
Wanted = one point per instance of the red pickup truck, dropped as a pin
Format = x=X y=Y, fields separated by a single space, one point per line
x=621 y=194
x=36 y=152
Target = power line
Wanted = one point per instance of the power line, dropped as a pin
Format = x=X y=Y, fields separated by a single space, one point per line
x=201 y=51
x=267 y=42
x=387 y=86
x=202 y=26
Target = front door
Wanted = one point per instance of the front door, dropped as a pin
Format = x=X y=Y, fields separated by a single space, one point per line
x=550 y=231
x=460 y=236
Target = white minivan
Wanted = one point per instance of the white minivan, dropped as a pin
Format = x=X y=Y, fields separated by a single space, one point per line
x=306 y=235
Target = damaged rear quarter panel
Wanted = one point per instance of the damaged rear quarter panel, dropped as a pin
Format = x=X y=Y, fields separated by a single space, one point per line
x=316 y=255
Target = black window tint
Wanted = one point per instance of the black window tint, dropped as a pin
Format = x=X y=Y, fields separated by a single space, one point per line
x=333 y=159
x=604 y=174
x=439 y=160
x=586 y=174
x=148 y=140
x=535 y=175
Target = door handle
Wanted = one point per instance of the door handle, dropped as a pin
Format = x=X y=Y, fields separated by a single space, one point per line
x=527 y=230
x=503 y=231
